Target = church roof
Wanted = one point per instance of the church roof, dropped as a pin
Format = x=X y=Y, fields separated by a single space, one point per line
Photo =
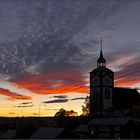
x=101 y=69
x=110 y=121
x=9 y=134
x=82 y=128
x=124 y=98
x=47 y=133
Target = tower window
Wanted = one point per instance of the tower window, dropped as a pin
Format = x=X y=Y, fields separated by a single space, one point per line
x=95 y=81
x=107 y=94
x=95 y=93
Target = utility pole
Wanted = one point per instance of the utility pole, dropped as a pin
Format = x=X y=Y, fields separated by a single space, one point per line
x=39 y=109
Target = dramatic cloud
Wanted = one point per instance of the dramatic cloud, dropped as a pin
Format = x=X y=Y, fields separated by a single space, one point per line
x=41 y=39
x=45 y=41
x=13 y=96
x=124 y=54
x=54 y=82
x=128 y=75
x=43 y=52
x=12 y=90
x=56 y=101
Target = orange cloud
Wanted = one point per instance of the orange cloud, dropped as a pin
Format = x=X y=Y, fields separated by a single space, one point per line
x=61 y=82
x=13 y=96
x=54 y=82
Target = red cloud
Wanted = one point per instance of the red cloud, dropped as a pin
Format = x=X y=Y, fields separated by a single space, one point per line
x=61 y=82
x=12 y=95
x=54 y=82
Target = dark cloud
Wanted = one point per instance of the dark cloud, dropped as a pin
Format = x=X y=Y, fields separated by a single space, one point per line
x=35 y=114
x=25 y=103
x=129 y=75
x=121 y=52
x=44 y=36
x=60 y=96
x=79 y=98
x=11 y=113
x=57 y=101
x=132 y=70
x=24 y=106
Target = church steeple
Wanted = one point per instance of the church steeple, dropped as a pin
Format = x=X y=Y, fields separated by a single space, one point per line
x=101 y=62
x=101 y=87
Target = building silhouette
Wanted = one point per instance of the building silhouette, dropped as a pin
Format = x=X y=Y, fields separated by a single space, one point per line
x=101 y=87
x=110 y=106
x=105 y=99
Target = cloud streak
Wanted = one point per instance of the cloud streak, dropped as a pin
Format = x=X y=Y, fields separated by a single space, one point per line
x=13 y=96
x=60 y=96
x=78 y=98
x=26 y=103
x=56 y=101
x=129 y=75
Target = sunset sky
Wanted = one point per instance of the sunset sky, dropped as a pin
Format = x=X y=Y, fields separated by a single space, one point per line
x=48 y=47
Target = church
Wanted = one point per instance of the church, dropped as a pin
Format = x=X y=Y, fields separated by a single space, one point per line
x=105 y=99
x=110 y=107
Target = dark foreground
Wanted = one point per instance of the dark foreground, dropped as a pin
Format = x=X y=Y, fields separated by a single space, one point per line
x=69 y=128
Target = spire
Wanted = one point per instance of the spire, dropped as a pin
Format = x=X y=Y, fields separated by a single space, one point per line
x=101 y=53
x=101 y=62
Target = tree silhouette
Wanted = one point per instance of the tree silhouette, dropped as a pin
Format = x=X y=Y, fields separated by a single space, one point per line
x=63 y=113
x=85 y=107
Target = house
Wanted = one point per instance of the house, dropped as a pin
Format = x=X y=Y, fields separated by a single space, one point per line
x=47 y=133
x=9 y=134
x=114 y=128
x=82 y=131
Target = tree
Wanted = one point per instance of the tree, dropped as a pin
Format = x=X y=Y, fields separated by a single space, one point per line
x=63 y=113
x=60 y=113
x=86 y=107
x=71 y=113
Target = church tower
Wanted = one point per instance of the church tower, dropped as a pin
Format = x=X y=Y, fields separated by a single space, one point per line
x=101 y=87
